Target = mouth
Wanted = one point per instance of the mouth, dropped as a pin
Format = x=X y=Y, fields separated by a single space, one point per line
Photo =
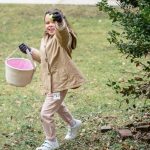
x=51 y=29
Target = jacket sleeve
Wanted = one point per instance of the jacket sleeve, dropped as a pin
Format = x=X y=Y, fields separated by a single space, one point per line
x=64 y=37
x=36 y=55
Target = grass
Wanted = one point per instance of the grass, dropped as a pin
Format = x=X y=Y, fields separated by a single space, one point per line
x=94 y=103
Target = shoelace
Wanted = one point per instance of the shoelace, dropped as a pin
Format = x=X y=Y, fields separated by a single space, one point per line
x=69 y=131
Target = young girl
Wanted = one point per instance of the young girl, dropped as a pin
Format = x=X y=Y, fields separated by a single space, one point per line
x=58 y=73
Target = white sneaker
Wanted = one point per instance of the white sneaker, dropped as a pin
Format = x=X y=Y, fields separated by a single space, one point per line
x=73 y=131
x=48 y=145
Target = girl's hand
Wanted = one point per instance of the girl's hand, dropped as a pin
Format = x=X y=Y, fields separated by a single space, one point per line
x=57 y=17
x=23 y=47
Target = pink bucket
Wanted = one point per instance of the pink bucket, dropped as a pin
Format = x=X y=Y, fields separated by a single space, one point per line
x=19 y=71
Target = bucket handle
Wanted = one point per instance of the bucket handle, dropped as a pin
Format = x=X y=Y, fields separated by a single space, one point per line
x=29 y=56
x=12 y=53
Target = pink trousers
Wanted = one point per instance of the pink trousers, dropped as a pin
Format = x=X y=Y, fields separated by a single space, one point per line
x=49 y=108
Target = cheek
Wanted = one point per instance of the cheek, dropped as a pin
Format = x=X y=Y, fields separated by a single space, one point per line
x=46 y=26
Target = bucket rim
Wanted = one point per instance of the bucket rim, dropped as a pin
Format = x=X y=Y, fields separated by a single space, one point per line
x=18 y=68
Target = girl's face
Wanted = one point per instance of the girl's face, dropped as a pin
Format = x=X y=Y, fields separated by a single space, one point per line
x=49 y=25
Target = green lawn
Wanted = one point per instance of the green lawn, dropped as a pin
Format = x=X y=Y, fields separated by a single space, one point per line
x=95 y=103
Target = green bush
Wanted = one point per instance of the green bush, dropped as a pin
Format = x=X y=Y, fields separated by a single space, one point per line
x=133 y=40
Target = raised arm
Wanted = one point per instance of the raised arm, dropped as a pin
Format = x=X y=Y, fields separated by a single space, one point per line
x=62 y=32
x=63 y=35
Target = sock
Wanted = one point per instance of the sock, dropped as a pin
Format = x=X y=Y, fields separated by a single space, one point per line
x=53 y=140
x=73 y=122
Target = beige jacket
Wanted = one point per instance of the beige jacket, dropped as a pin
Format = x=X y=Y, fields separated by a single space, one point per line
x=58 y=72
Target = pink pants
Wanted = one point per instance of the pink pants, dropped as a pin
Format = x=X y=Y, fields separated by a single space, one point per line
x=49 y=108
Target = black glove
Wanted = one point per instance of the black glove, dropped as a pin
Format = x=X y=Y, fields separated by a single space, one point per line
x=23 y=47
x=57 y=17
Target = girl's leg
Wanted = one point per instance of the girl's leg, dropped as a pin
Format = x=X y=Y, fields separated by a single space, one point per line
x=74 y=124
x=65 y=114
x=50 y=106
